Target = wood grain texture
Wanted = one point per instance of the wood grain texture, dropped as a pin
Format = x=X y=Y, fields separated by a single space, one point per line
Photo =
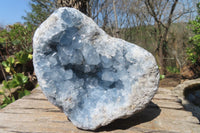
x=34 y=114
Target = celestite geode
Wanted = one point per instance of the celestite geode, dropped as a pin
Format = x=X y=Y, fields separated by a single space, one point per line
x=92 y=77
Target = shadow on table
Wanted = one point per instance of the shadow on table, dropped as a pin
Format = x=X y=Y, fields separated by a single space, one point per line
x=148 y=114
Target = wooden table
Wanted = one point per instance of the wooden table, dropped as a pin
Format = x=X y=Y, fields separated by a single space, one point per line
x=34 y=114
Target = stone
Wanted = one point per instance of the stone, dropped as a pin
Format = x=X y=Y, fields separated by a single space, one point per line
x=94 y=78
x=188 y=92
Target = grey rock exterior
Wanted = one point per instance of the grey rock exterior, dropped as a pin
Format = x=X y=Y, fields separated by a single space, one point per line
x=92 y=77
x=187 y=99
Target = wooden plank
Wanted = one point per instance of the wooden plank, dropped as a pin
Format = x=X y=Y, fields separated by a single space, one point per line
x=34 y=114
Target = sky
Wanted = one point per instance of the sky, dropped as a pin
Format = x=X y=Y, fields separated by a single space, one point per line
x=11 y=11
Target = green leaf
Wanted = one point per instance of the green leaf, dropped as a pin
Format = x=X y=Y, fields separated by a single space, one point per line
x=7 y=69
x=13 y=99
x=10 y=84
x=5 y=63
x=3 y=106
x=11 y=60
x=13 y=84
x=22 y=57
x=7 y=100
x=2 y=40
x=162 y=77
x=20 y=78
x=6 y=84
x=30 y=56
x=23 y=93
x=25 y=79
x=16 y=42
x=26 y=92
x=20 y=94
x=8 y=64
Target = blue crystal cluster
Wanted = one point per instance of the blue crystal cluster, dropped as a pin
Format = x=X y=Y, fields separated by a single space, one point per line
x=91 y=76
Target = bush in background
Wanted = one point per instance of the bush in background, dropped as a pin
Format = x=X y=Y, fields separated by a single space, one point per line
x=194 y=51
x=16 y=55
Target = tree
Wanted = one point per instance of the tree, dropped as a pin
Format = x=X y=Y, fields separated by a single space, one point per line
x=116 y=19
x=144 y=22
x=40 y=10
x=164 y=13
x=81 y=5
x=156 y=10
x=194 y=50
x=15 y=38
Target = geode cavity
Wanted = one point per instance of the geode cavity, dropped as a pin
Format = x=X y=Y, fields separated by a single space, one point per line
x=92 y=77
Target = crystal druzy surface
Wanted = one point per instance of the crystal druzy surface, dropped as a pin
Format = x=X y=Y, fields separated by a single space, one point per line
x=92 y=77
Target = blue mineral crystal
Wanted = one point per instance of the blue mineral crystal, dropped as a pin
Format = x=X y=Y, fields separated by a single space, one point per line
x=92 y=77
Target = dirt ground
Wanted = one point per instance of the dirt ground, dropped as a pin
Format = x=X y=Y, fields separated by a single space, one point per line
x=171 y=80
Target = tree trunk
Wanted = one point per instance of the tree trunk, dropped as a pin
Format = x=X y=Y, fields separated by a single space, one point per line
x=162 y=55
x=163 y=29
x=81 y=5
x=116 y=34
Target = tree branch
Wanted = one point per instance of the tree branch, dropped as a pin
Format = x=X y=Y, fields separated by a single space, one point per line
x=151 y=11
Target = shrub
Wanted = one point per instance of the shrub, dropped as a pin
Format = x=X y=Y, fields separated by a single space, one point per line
x=174 y=70
x=16 y=38
x=18 y=80
x=16 y=50
x=194 y=51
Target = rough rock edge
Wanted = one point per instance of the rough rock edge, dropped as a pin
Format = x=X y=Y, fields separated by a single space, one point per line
x=179 y=91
